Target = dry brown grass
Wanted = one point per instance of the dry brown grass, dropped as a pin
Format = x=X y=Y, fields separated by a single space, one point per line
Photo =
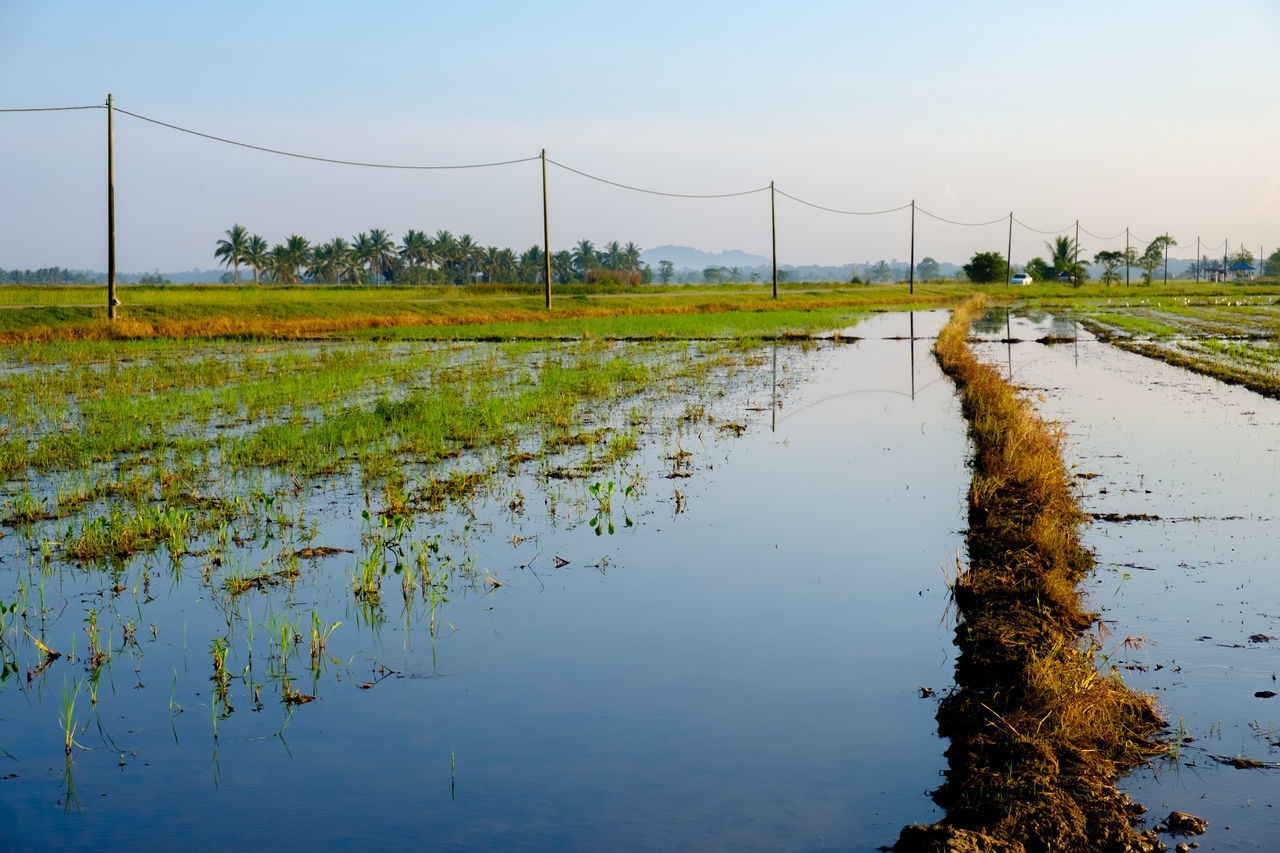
x=1039 y=733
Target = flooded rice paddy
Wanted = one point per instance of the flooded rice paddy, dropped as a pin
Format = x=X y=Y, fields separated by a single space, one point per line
x=692 y=608
x=1182 y=474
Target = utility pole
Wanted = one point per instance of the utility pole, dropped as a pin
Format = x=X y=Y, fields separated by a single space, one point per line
x=1197 y=259
x=546 y=234
x=1126 y=256
x=1008 y=259
x=911 y=275
x=1075 y=261
x=111 y=213
x=773 y=230
x=1166 y=257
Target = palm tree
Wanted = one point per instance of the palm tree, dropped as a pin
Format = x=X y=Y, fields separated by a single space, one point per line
x=506 y=264
x=350 y=263
x=631 y=257
x=562 y=266
x=337 y=252
x=611 y=255
x=469 y=255
x=446 y=252
x=1063 y=255
x=299 y=255
x=255 y=255
x=489 y=262
x=416 y=251
x=362 y=250
x=280 y=264
x=382 y=252
x=231 y=250
x=584 y=257
x=531 y=265
x=321 y=263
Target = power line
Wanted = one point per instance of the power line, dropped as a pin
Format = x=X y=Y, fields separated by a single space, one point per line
x=654 y=192
x=1104 y=239
x=844 y=212
x=325 y=159
x=1038 y=231
x=51 y=109
x=954 y=222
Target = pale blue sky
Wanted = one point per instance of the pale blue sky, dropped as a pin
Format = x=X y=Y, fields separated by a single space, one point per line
x=1154 y=115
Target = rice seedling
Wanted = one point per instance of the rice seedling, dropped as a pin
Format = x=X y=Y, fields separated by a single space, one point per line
x=67 y=719
x=319 y=637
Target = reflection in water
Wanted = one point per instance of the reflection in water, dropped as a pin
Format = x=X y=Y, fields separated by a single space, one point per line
x=1192 y=578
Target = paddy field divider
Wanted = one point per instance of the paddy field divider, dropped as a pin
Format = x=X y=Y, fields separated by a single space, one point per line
x=1040 y=728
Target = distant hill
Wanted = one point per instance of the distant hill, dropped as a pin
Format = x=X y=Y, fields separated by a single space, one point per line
x=688 y=257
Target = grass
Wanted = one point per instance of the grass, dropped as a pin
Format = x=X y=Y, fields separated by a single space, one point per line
x=1039 y=733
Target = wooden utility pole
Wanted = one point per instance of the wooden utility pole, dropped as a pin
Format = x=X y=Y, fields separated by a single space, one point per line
x=1166 y=257
x=1075 y=260
x=546 y=234
x=773 y=230
x=911 y=275
x=1008 y=259
x=111 y=213
x=1197 y=260
x=1126 y=256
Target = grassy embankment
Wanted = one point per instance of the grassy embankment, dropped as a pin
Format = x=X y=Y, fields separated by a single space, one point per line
x=1038 y=733
x=248 y=311
x=36 y=313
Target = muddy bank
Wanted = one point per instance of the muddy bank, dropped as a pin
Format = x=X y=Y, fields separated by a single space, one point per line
x=1039 y=733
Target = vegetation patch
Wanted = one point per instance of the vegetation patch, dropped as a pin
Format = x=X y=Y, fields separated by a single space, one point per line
x=1039 y=733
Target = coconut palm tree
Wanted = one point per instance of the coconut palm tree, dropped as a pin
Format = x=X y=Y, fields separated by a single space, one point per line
x=470 y=254
x=231 y=250
x=415 y=249
x=299 y=249
x=256 y=254
x=362 y=249
x=611 y=255
x=382 y=252
x=584 y=258
x=531 y=266
x=280 y=264
x=631 y=257
x=562 y=266
x=446 y=246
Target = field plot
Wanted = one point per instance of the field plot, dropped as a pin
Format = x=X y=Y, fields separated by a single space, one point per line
x=486 y=595
x=1234 y=340
x=1180 y=473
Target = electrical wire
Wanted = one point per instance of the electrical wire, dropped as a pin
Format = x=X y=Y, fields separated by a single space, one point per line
x=1038 y=231
x=842 y=212
x=653 y=192
x=51 y=109
x=325 y=159
x=954 y=222
x=1096 y=237
x=1132 y=237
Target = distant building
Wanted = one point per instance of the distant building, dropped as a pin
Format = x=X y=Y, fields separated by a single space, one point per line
x=1243 y=271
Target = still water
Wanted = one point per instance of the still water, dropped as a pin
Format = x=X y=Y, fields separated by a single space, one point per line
x=1194 y=586
x=740 y=668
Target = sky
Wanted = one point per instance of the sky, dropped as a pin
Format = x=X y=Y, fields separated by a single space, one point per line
x=1151 y=115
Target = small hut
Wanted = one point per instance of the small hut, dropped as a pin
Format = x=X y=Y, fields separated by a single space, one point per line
x=1243 y=271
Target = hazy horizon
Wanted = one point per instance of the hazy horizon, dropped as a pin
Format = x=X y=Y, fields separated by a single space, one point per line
x=1118 y=117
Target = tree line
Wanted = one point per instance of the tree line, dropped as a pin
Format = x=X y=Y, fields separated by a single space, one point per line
x=1064 y=262
x=373 y=257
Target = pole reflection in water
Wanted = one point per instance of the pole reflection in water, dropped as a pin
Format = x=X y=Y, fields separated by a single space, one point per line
x=773 y=407
x=912 y=335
